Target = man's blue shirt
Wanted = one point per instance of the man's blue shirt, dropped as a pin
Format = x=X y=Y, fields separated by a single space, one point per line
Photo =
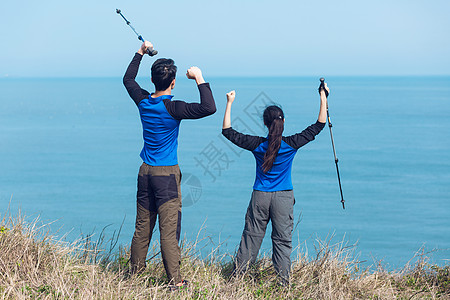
x=160 y=132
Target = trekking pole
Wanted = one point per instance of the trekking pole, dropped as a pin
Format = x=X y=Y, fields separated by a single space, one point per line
x=322 y=87
x=151 y=52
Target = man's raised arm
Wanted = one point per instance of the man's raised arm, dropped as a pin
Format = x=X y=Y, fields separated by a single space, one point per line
x=129 y=79
x=206 y=107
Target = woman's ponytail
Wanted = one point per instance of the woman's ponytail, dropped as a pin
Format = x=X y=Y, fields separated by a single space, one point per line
x=274 y=120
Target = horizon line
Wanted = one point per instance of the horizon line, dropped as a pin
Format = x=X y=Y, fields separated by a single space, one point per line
x=229 y=76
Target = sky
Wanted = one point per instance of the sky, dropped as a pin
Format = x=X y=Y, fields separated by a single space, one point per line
x=82 y=38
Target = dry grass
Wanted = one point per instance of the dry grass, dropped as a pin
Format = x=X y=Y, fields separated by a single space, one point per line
x=35 y=265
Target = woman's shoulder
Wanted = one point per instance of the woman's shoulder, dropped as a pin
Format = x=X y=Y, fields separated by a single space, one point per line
x=246 y=141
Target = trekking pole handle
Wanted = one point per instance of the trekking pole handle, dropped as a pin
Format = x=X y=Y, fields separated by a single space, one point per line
x=151 y=52
x=322 y=86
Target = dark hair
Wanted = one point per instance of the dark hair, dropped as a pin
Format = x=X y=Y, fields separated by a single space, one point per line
x=274 y=120
x=163 y=72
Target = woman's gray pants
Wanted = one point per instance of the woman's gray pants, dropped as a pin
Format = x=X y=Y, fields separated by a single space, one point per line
x=265 y=206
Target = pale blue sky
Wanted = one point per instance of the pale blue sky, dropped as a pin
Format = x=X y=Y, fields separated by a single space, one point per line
x=228 y=38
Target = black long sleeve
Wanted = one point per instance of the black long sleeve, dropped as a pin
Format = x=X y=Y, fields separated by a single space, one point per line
x=183 y=110
x=300 y=139
x=134 y=90
x=250 y=142
x=245 y=141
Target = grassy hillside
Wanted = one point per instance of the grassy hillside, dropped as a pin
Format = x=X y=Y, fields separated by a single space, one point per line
x=33 y=264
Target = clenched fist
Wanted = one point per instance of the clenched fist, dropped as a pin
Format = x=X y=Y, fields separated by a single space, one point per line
x=145 y=45
x=195 y=73
x=230 y=96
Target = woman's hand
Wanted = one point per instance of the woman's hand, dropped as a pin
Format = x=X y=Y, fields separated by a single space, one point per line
x=323 y=105
x=322 y=92
x=230 y=97
x=227 y=116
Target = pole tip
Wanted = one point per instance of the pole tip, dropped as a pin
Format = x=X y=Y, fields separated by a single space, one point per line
x=118 y=10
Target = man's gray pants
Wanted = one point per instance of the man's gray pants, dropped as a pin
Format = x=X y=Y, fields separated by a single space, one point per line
x=264 y=206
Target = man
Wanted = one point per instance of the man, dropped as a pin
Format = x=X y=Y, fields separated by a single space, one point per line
x=159 y=177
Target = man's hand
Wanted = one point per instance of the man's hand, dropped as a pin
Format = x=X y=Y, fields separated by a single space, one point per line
x=230 y=97
x=145 y=45
x=195 y=73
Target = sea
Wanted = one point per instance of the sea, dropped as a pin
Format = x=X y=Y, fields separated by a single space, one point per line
x=69 y=157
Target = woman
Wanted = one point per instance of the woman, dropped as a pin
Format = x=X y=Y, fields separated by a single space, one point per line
x=272 y=197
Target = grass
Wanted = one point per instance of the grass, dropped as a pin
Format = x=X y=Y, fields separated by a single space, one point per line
x=34 y=265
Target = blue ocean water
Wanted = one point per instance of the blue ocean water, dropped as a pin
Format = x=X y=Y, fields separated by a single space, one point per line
x=69 y=151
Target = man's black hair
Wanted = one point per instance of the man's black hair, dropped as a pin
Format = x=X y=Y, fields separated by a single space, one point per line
x=163 y=72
